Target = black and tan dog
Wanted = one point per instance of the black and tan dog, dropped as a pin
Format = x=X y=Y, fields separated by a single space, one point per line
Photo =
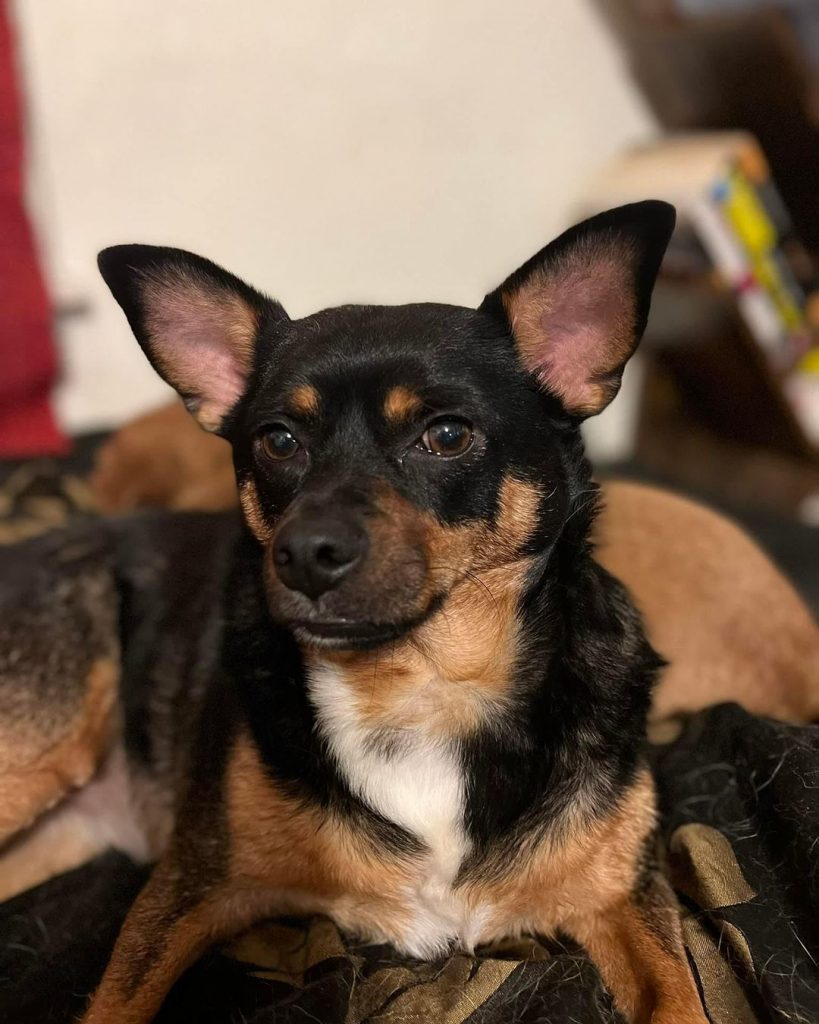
x=417 y=704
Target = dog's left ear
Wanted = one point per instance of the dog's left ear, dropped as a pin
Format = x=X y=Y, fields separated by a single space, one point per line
x=578 y=309
x=198 y=324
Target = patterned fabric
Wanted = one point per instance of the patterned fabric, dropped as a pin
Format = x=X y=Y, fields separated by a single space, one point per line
x=36 y=497
x=740 y=839
x=740 y=799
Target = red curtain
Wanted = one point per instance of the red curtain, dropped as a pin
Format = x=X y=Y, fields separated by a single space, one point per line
x=28 y=361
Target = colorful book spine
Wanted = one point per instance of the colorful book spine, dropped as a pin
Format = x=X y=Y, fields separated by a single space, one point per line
x=741 y=224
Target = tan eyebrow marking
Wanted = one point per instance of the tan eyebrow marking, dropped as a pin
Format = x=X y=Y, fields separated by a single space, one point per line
x=304 y=401
x=401 y=403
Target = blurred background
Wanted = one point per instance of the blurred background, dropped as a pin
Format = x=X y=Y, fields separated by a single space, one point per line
x=393 y=152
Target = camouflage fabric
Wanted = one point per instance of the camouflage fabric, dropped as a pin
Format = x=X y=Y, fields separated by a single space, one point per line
x=37 y=497
x=740 y=839
x=740 y=802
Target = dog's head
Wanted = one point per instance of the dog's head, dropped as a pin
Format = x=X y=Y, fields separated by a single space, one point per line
x=386 y=454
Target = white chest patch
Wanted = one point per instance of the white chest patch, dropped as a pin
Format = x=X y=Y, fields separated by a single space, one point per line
x=418 y=784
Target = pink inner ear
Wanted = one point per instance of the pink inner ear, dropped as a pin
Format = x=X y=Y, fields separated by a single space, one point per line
x=574 y=323
x=202 y=338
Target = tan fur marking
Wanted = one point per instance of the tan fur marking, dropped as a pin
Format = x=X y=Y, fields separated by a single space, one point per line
x=454 y=551
x=304 y=401
x=650 y=985
x=249 y=500
x=33 y=781
x=314 y=861
x=518 y=518
x=401 y=404
x=589 y=867
x=448 y=674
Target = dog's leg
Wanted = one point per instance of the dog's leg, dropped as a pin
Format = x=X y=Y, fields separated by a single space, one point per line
x=172 y=923
x=210 y=885
x=637 y=946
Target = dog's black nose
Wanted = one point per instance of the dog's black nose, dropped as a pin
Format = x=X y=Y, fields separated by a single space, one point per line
x=314 y=552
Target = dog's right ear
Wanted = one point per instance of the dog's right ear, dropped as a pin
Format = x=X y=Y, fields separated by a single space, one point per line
x=198 y=324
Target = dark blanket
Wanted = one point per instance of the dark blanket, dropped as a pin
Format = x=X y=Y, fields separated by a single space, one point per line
x=740 y=802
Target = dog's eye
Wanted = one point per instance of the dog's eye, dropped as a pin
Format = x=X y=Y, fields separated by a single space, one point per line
x=447 y=438
x=278 y=443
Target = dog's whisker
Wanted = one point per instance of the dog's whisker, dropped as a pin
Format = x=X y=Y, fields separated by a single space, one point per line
x=471 y=577
x=375 y=679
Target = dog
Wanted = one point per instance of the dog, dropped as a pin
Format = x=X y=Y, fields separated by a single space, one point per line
x=424 y=712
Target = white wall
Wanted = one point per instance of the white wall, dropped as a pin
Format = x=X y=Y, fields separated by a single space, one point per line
x=328 y=151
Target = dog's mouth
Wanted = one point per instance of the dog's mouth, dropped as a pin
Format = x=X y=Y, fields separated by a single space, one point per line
x=345 y=633
x=351 y=634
